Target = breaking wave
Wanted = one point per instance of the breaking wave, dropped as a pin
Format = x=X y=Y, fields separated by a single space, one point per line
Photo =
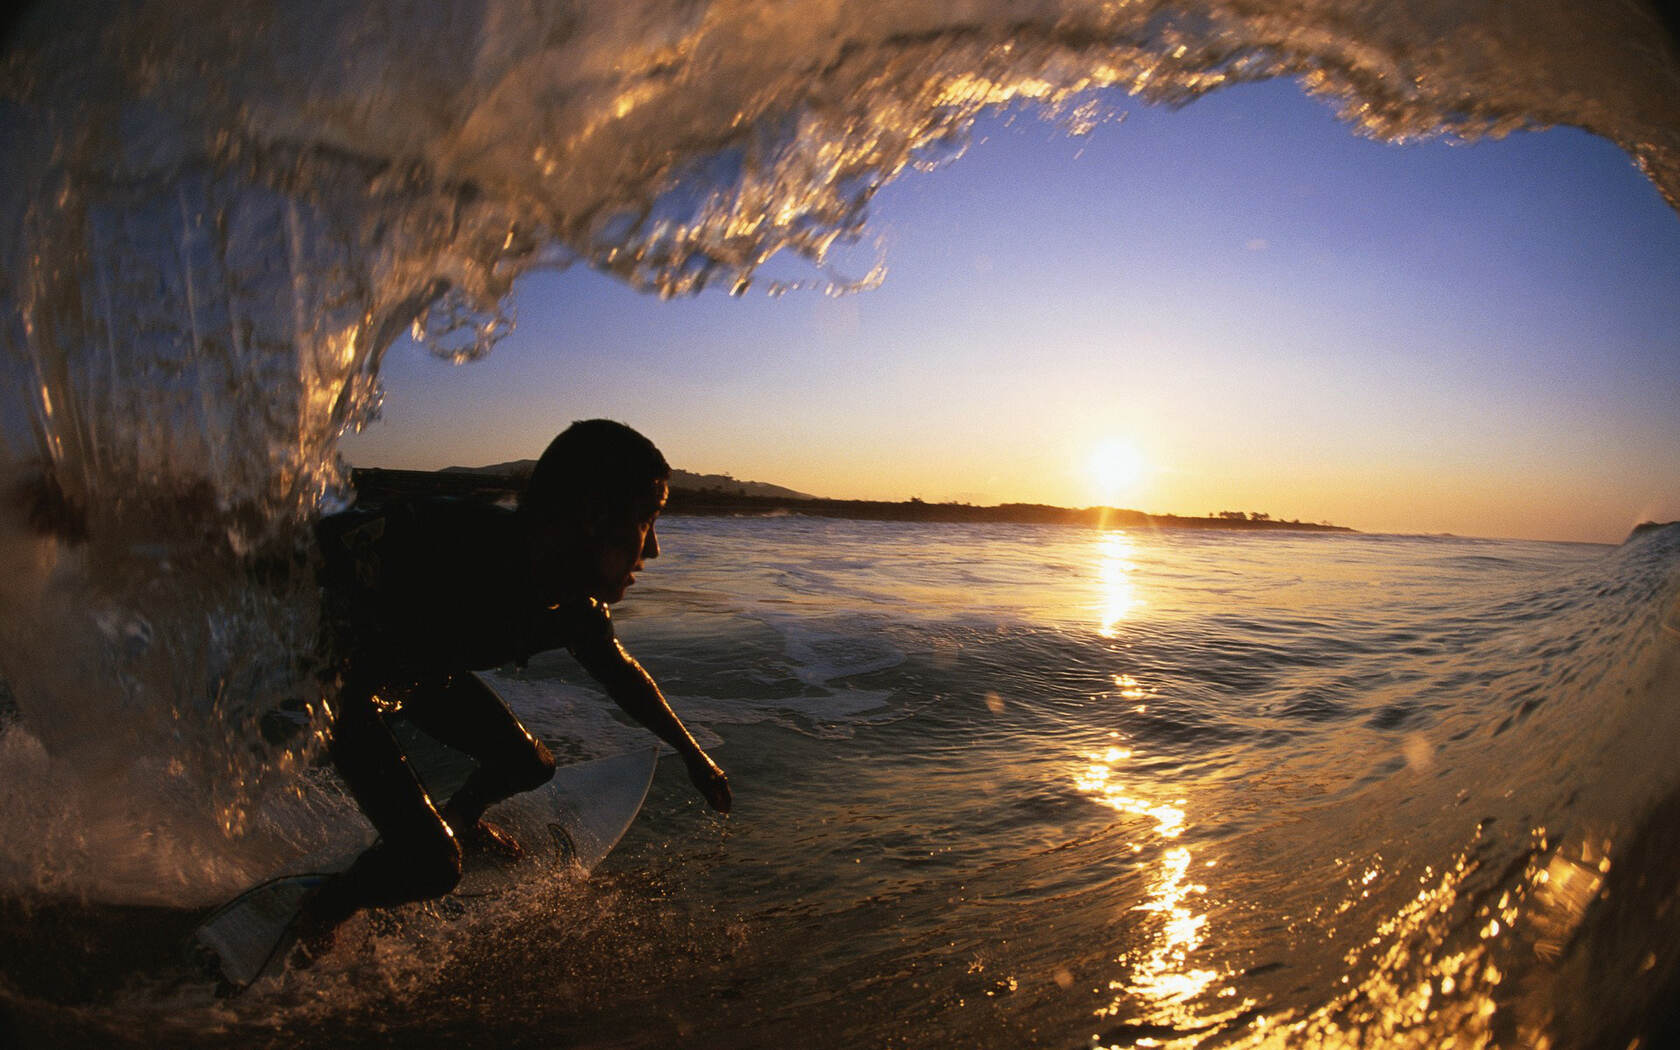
x=218 y=216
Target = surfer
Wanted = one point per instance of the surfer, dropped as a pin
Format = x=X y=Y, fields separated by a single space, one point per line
x=419 y=593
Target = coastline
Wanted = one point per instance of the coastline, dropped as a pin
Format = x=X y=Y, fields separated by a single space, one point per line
x=376 y=485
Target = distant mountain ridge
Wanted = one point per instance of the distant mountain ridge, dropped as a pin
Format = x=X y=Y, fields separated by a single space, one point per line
x=721 y=495
x=513 y=468
x=680 y=479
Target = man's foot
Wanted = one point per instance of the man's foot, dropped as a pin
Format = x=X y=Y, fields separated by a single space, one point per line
x=315 y=930
x=313 y=938
x=488 y=839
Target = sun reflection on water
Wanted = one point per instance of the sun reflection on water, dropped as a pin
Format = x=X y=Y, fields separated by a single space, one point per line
x=1433 y=967
x=1160 y=975
x=1163 y=977
x=1116 y=590
x=1436 y=970
x=1414 y=984
x=1098 y=781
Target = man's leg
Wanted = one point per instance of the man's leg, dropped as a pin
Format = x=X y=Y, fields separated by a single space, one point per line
x=470 y=718
x=416 y=857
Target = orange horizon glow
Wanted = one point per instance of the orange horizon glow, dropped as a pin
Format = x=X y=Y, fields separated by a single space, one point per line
x=1247 y=307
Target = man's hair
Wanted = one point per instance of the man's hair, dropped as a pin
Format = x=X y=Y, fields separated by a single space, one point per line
x=594 y=466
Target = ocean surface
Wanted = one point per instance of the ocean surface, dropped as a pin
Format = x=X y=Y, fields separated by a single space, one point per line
x=1004 y=786
x=996 y=787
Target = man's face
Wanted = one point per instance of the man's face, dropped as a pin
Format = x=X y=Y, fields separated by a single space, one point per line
x=599 y=559
x=621 y=550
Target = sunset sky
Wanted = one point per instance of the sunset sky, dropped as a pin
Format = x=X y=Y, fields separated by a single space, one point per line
x=1239 y=305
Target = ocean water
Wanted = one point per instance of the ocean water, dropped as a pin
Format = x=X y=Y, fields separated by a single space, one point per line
x=997 y=786
x=1045 y=786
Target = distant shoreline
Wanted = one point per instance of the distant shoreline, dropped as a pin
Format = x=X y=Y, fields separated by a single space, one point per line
x=709 y=504
x=377 y=485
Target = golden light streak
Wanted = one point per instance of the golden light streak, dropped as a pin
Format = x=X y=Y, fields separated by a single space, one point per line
x=1117 y=594
x=1164 y=977
x=1161 y=976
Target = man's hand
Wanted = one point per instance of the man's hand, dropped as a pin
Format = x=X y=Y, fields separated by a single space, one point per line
x=710 y=781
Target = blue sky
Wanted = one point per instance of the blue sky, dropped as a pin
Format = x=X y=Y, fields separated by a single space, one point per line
x=1269 y=311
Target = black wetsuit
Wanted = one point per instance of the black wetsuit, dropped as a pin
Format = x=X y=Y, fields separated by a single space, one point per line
x=415 y=596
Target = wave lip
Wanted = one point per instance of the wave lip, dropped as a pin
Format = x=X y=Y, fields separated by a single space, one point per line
x=223 y=213
x=219 y=215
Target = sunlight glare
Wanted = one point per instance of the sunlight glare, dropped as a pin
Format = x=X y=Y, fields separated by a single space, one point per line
x=1116 y=592
x=1117 y=470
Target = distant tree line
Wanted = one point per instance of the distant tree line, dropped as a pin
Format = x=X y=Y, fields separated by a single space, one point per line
x=374 y=486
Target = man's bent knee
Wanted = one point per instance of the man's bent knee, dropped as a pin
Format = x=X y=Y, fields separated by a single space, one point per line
x=537 y=770
x=434 y=865
x=518 y=771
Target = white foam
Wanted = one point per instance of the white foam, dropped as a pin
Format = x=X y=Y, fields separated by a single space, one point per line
x=141 y=838
x=224 y=212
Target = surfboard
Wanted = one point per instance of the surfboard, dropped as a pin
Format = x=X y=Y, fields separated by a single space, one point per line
x=569 y=825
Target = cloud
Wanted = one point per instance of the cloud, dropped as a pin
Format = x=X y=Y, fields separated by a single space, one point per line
x=1256 y=244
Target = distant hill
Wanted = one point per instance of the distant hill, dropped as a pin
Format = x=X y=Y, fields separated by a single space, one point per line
x=720 y=494
x=516 y=468
x=721 y=484
x=728 y=486
x=713 y=503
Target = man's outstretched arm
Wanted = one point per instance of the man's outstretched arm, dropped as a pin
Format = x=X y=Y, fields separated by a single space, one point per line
x=634 y=690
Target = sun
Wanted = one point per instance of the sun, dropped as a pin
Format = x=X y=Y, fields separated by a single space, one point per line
x=1116 y=469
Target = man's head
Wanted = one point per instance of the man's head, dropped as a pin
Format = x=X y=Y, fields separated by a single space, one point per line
x=590 y=506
